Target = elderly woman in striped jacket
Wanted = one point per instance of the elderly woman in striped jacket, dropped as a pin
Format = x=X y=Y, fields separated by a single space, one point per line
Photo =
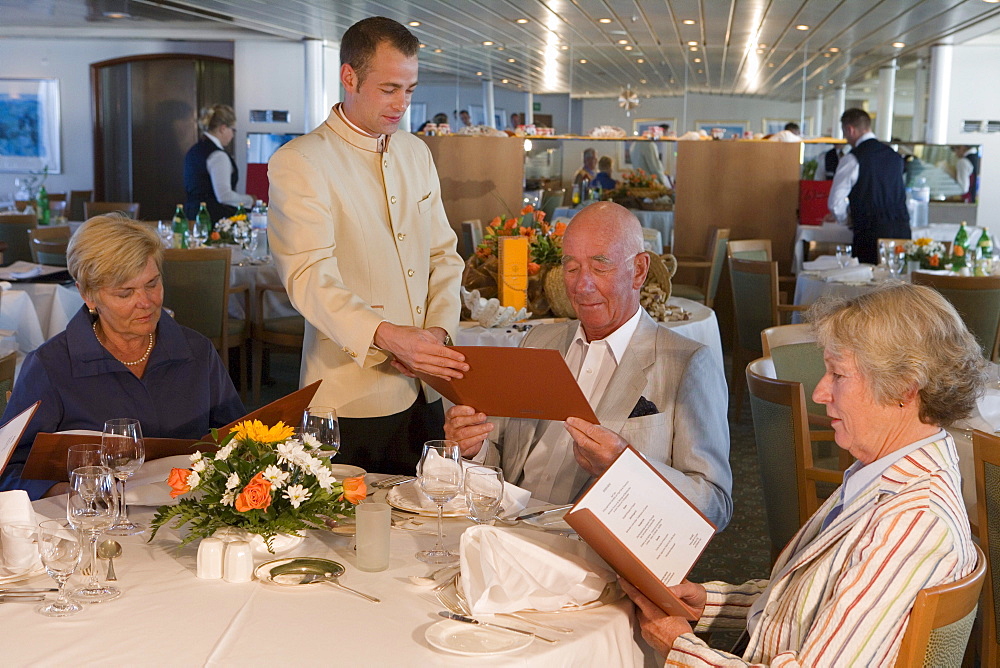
x=900 y=365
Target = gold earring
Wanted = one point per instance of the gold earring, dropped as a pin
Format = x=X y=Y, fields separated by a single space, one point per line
x=93 y=311
x=900 y=404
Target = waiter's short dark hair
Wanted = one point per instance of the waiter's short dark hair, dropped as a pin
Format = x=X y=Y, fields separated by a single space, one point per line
x=359 y=43
x=857 y=118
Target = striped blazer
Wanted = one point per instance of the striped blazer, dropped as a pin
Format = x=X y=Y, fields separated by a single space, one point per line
x=843 y=595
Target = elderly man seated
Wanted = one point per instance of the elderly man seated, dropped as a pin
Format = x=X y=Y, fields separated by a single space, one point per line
x=660 y=392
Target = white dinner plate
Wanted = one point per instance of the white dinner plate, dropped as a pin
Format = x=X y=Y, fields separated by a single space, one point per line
x=472 y=640
x=20 y=577
x=342 y=471
x=408 y=497
x=553 y=521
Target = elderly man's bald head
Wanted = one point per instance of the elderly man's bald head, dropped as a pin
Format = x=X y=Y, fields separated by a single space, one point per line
x=604 y=267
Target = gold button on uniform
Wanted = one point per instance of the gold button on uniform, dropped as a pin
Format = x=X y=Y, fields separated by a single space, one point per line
x=409 y=272
x=385 y=163
x=392 y=199
x=420 y=309
x=400 y=236
x=349 y=351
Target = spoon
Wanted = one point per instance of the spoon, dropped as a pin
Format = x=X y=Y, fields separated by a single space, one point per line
x=428 y=580
x=331 y=579
x=110 y=549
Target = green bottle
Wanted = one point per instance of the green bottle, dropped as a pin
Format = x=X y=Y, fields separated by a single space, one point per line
x=240 y=211
x=180 y=227
x=43 y=206
x=960 y=249
x=985 y=246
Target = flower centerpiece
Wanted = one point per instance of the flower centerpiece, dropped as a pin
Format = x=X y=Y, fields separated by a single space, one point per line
x=636 y=186
x=260 y=480
x=926 y=251
x=232 y=230
x=544 y=254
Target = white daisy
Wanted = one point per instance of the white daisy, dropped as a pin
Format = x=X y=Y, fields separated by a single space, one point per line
x=199 y=465
x=311 y=441
x=297 y=494
x=233 y=481
x=276 y=476
x=228 y=499
x=194 y=479
x=196 y=456
x=225 y=451
x=290 y=451
x=325 y=478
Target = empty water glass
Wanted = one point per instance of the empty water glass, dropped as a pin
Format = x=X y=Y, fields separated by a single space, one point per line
x=483 y=492
x=844 y=254
x=165 y=230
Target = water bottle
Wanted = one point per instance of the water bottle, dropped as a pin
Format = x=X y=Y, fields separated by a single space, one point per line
x=258 y=225
x=180 y=226
x=43 y=206
x=919 y=202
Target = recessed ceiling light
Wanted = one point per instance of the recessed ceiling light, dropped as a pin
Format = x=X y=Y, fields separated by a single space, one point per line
x=688 y=22
x=834 y=49
x=583 y=61
x=479 y=74
x=701 y=71
x=992 y=2
x=505 y=81
x=623 y=41
x=116 y=15
x=692 y=43
x=827 y=54
x=487 y=43
x=438 y=50
x=760 y=50
x=819 y=87
x=414 y=23
x=642 y=81
x=604 y=20
x=898 y=45
x=697 y=60
x=762 y=46
x=770 y=64
x=511 y=60
x=522 y=20
x=499 y=48
x=423 y=46
x=802 y=27
x=628 y=48
x=640 y=60
x=693 y=48
x=564 y=47
x=830 y=81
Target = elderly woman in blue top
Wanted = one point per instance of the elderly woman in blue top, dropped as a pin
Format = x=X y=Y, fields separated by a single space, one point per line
x=119 y=356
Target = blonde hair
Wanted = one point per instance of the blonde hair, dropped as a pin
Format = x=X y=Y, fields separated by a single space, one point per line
x=111 y=250
x=216 y=116
x=903 y=338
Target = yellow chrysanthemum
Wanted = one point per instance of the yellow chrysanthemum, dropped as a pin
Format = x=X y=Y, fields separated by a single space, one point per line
x=924 y=241
x=256 y=431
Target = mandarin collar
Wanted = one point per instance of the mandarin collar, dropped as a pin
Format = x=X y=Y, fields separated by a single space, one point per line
x=352 y=136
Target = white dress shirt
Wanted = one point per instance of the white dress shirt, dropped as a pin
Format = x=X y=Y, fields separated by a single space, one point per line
x=844 y=180
x=550 y=471
x=220 y=169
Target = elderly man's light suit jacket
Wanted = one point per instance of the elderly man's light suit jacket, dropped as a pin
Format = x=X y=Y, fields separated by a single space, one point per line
x=843 y=595
x=687 y=438
x=360 y=236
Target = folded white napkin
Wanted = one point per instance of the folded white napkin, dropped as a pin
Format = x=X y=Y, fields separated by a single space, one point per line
x=506 y=570
x=857 y=274
x=148 y=487
x=821 y=263
x=27 y=273
x=938 y=272
x=18 y=551
x=5 y=285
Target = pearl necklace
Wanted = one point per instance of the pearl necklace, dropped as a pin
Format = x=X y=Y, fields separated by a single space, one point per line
x=142 y=359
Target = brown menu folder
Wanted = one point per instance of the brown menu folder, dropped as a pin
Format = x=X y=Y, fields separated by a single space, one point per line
x=47 y=460
x=530 y=383
x=644 y=528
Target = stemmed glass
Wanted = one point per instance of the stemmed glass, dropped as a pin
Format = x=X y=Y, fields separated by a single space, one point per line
x=483 y=492
x=60 y=547
x=91 y=508
x=165 y=229
x=123 y=453
x=83 y=454
x=199 y=232
x=439 y=474
x=897 y=262
x=323 y=421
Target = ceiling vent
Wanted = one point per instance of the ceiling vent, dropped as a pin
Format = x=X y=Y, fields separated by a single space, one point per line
x=993 y=126
x=972 y=126
x=269 y=116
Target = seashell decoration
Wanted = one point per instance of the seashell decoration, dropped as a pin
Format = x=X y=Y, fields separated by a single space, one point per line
x=489 y=313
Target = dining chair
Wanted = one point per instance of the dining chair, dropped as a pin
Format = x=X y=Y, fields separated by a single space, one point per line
x=756 y=306
x=758 y=249
x=8 y=364
x=275 y=332
x=788 y=472
x=986 y=455
x=941 y=620
x=14 y=230
x=129 y=209
x=74 y=210
x=977 y=300
x=57 y=197
x=196 y=288
x=711 y=266
x=552 y=200
x=48 y=244
x=472 y=234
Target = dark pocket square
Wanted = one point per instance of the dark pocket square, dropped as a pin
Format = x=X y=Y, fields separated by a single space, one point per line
x=643 y=407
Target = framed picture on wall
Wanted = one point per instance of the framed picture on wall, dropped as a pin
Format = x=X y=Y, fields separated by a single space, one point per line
x=731 y=129
x=774 y=125
x=29 y=125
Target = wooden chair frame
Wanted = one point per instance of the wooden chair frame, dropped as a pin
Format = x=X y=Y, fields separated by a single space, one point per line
x=709 y=264
x=261 y=336
x=18 y=250
x=53 y=239
x=986 y=449
x=91 y=209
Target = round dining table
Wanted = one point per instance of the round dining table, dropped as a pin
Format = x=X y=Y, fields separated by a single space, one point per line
x=167 y=616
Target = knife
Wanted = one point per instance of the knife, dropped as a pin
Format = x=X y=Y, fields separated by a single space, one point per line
x=16 y=592
x=538 y=513
x=470 y=620
x=35 y=597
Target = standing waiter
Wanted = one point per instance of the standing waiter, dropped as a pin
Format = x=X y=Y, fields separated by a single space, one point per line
x=869 y=184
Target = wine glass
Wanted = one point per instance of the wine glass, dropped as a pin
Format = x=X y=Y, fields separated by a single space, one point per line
x=199 y=232
x=323 y=420
x=123 y=453
x=165 y=229
x=897 y=263
x=83 y=454
x=439 y=475
x=844 y=254
x=241 y=235
x=91 y=508
x=483 y=492
x=60 y=547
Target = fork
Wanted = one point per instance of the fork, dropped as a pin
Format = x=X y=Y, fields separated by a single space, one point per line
x=454 y=602
x=392 y=481
x=457 y=606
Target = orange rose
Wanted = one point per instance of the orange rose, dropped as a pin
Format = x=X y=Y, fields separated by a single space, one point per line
x=354 y=489
x=495 y=223
x=560 y=229
x=533 y=268
x=545 y=227
x=256 y=495
x=933 y=260
x=528 y=209
x=539 y=216
x=214 y=236
x=178 y=482
x=510 y=224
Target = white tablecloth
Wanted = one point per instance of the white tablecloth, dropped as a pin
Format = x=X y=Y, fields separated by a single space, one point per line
x=276 y=304
x=834 y=233
x=167 y=616
x=18 y=313
x=809 y=287
x=55 y=305
x=702 y=327
x=657 y=220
